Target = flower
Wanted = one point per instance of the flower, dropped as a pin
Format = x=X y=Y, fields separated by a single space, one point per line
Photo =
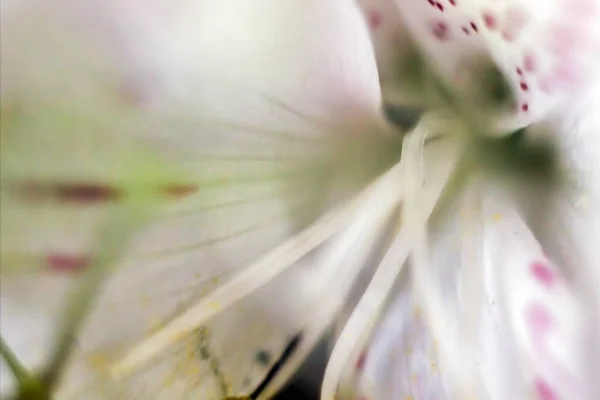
x=159 y=121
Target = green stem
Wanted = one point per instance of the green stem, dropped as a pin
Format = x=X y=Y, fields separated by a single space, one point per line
x=19 y=371
x=113 y=241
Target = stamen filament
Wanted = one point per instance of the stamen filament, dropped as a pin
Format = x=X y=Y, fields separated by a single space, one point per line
x=257 y=274
x=364 y=317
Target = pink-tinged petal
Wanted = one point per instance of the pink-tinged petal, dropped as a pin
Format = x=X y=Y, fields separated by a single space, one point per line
x=545 y=314
x=552 y=41
x=543 y=273
x=544 y=391
x=326 y=59
x=389 y=35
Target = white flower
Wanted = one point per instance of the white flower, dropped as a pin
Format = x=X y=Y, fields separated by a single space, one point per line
x=298 y=206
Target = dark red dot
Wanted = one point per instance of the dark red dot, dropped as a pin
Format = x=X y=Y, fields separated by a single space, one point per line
x=525 y=107
x=439 y=6
x=474 y=26
x=466 y=30
x=67 y=263
x=490 y=21
x=452 y=2
x=519 y=71
x=86 y=192
x=524 y=86
x=431 y=2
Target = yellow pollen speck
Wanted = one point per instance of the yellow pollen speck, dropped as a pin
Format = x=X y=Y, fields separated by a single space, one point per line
x=413 y=377
x=198 y=275
x=497 y=217
x=215 y=280
x=215 y=305
x=97 y=361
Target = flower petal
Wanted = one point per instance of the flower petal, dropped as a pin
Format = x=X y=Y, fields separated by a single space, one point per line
x=545 y=314
x=257 y=160
x=547 y=50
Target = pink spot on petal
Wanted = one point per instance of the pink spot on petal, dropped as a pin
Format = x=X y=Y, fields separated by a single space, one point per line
x=439 y=6
x=543 y=273
x=543 y=390
x=474 y=26
x=524 y=87
x=452 y=2
x=67 y=263
x=519 y=71
x=441 y=31
x=539 y=320
x=360 y=363
x=524 y=107
x=490 y=20
x=375 y=19
x=529 y=62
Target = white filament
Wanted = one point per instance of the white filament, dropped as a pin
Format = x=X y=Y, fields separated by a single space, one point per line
x=362 y=320
x=349 y=252
x=259 y=273
x=427 y=290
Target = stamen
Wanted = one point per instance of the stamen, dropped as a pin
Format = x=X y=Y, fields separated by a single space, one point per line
x=350 y=251
x=363 y=319
x=260 y=272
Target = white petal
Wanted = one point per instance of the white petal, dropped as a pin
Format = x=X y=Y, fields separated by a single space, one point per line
x=267 y=99
x=546 y=316
x=546 y=49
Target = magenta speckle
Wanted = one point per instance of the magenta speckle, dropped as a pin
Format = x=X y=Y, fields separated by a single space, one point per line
x=543 y=390
x=519 y=72
x=524 y=107
x=474 y=26
x=524 y=87
x=543 y=273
